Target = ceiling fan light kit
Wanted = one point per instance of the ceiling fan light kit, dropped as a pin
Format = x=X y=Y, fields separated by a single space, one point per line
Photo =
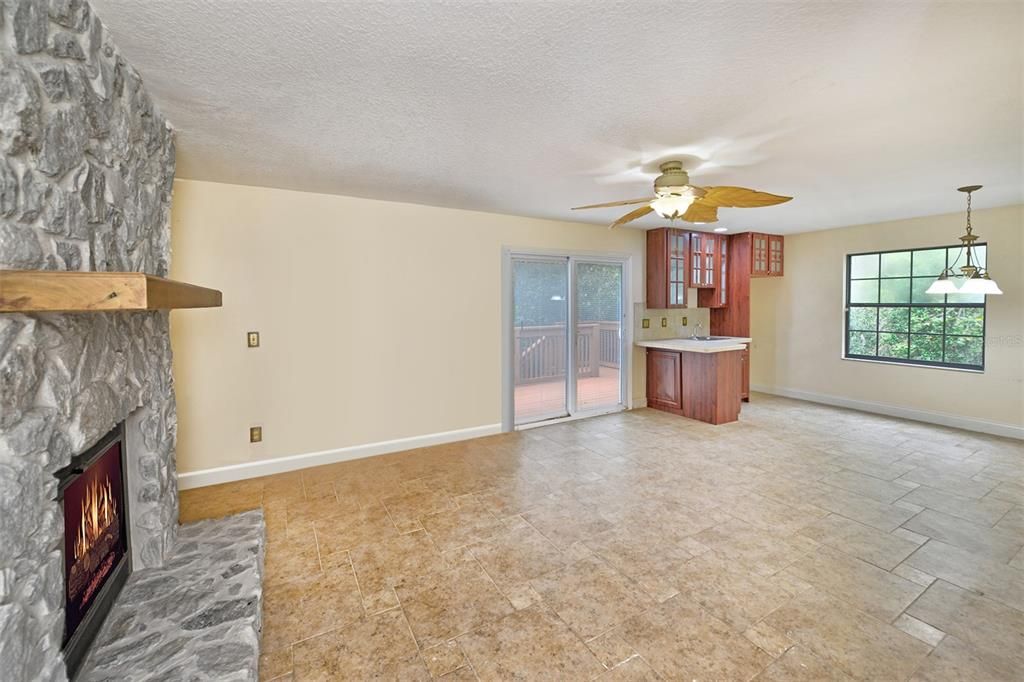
x=976 y=279
x=675 y=198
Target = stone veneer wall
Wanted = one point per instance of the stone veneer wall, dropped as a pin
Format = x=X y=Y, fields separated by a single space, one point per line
x=86 y=169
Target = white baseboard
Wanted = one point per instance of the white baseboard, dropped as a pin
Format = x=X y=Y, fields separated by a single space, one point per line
x=940 y=418
x=277 y=465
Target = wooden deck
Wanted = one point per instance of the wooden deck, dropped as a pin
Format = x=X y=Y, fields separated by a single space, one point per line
x=548 y=397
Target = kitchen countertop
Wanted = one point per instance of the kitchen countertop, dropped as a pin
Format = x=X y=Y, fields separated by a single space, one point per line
x=692 y=346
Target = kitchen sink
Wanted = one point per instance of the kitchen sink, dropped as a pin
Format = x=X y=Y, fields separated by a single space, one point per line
x=710 y=338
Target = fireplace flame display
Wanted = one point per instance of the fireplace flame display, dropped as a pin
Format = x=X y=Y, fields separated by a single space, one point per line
x=99 y=511
x=95 y=537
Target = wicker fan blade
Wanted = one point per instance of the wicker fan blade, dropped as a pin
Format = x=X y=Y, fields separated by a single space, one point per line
x=626 y=202
x=701 y=213
x=740 y=197
x=631 y=216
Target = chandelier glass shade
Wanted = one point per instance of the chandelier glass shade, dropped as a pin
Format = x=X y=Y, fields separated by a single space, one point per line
x=976 y=279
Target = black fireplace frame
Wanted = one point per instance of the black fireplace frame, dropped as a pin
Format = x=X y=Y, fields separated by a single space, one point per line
x=77 y=646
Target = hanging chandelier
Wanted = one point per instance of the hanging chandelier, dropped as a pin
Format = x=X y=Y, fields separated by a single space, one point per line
x=976 y=279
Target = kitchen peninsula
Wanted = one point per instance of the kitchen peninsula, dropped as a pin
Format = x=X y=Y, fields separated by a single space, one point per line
x=697 y=378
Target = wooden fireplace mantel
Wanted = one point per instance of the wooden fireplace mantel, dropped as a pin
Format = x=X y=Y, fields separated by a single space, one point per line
x=45 y=291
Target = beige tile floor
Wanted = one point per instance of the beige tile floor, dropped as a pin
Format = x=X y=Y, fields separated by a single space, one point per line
x=801 y=543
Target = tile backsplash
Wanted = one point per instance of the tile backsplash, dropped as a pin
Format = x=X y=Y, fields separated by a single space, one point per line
x=674 y=322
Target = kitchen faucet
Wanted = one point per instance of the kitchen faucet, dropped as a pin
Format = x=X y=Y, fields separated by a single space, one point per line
x=696 y=327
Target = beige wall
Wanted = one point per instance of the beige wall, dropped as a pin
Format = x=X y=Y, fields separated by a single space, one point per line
x=378 y=320
x=797 y=321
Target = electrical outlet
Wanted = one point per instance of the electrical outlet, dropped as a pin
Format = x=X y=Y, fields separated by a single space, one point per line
x=253 y=339
x=683 y=319
x=255 y=434
x=664 y=322
x=645 y=323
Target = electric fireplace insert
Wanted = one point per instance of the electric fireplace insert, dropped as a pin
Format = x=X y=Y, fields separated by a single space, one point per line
x=97 y=550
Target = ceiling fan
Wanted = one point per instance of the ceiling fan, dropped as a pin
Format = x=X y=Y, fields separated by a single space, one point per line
x=674 y=197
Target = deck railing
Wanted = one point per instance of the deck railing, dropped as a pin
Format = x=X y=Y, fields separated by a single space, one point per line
x=540 y=350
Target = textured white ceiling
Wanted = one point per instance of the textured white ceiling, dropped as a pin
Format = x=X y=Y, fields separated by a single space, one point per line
x=864 y=111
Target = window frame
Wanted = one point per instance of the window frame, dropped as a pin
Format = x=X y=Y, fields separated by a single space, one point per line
x=945 y=305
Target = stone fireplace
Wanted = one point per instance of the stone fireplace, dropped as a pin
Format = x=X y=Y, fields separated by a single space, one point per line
x=86 y=170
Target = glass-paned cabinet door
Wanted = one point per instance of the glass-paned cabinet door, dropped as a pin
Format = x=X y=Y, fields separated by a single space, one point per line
x=710 y=247
x=723 y=269
x=696 y=261
x=677 y=280
x=760 y=259
x=775 y=255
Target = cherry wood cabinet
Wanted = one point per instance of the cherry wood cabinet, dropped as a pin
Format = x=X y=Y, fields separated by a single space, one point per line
x=703 y=386
x=775 y=248
x=667 y=272
x=703 y=260
x=717 y=297
x=745 y=375
x=664 y=380
x=766 y=254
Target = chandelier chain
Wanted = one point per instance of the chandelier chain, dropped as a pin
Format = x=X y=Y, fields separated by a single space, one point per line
x=968 y=213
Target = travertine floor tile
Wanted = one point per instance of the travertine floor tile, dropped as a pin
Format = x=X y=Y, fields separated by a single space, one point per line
x=954 y=660
x=444 y=658
x=757 y=549
x=985 y=511
x=782 y=510
x=988 y=542
x=294 y=611
x=591 y=597
x=634 y=669
x=871 y=512
x=529 y=644
x=564 y=520
x=680 y=640
x=345 y=532
x=864 y=542
x=771 y=515
x=516 y=556
x=471 y=522
x=936 y=476
x=729 y=592
x=768 y=639
x=798 y=664
x=971 y=571
x=993 y=630
x=374 y=647
x=860 y=645
x=379 y=566
x=875 y=488
x=867 y=587
x=918 y=628
x=646 y=556
x=445 y=605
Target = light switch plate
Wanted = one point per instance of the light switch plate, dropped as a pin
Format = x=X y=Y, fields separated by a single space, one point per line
x=664 y=322
x=645 y=323
x=684 y=321
x=253 y=339
x=255 y=434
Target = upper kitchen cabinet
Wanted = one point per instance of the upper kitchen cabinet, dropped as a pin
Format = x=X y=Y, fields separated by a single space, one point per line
x=775 y=246
x=703 y=260
x=666 y=268
x=766 y=255
x=715 y=269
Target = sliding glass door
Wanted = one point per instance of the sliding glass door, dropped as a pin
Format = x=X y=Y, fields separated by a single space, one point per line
x=540 y=333
x=598 y=305
x=567 y=336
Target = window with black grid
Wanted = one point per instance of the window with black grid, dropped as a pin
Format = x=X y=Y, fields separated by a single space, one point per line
x=890 y=317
